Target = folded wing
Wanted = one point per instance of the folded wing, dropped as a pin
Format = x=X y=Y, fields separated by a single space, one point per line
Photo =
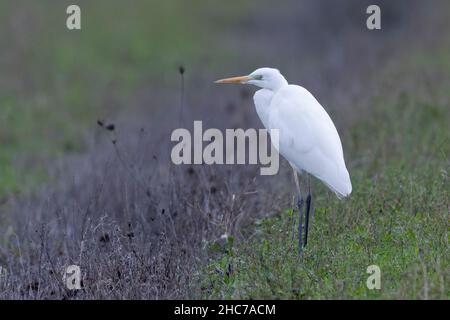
x=308 y=137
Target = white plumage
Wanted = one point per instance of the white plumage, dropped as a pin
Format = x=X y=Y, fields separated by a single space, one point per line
x=308 y=138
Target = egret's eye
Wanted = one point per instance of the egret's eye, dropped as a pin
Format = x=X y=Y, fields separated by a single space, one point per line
x=258 y=77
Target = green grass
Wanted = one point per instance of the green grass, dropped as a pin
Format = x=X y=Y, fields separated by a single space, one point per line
x=397 y=216
x=55 y=83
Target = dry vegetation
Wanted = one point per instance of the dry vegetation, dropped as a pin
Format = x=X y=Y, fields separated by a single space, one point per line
x=141 y=228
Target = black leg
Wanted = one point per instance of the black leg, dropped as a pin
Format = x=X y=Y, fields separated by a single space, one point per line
x=308 y=208
x=300 y=212
x=300 y=225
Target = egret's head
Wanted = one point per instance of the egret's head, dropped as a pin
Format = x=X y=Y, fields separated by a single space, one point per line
x=267 y=78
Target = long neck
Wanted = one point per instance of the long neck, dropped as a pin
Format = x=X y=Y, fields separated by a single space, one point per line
x=262 y=99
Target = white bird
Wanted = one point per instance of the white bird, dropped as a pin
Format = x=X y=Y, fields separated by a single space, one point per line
x=308 y=138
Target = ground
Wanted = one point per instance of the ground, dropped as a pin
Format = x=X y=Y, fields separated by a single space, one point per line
x=72 y=192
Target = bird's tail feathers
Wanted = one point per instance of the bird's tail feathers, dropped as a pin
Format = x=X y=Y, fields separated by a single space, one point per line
x=342 y=187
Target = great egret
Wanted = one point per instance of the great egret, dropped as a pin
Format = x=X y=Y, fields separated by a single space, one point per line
x=308 y=138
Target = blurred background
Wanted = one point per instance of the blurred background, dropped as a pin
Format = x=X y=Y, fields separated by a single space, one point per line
x=73 y=192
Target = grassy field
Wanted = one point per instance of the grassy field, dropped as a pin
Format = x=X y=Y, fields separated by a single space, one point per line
x=138 y=226
x=55 y=83
x=397 y=216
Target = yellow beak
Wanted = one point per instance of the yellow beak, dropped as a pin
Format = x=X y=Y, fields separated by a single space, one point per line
x=241 y=79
